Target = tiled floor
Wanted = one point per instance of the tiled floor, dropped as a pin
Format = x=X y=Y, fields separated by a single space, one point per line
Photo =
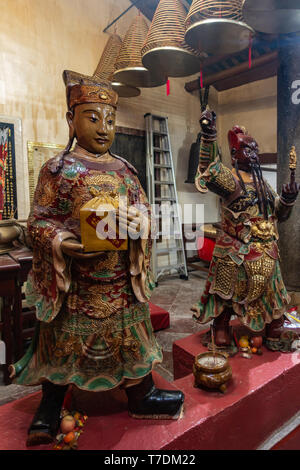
x=177 y=296
x=174 y=295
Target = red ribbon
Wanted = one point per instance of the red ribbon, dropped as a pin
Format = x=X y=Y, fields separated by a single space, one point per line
x=168 y=87
x=201 y=79
x=250 y=51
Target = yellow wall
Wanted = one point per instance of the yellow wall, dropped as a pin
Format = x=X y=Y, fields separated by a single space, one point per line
x=253 y=106
x=41 y=38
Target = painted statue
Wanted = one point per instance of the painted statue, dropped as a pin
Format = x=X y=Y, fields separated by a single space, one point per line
x=244 y=277
x=94 y=329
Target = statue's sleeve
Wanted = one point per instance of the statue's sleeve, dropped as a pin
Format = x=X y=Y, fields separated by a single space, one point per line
x=49 y=278
x=283 y=209
x=140 y=251
x=211 y=173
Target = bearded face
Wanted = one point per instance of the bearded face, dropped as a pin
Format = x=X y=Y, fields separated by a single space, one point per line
x=243 y=148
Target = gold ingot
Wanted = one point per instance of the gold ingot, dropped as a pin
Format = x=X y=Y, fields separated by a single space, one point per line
x=101 y=210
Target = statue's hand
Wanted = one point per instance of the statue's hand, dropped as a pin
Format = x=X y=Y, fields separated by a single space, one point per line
x=289 y=192
x=133 y=222
x=208 y=122
x=74 y=249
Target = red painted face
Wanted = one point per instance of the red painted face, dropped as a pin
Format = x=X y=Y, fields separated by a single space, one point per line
x=243 y=148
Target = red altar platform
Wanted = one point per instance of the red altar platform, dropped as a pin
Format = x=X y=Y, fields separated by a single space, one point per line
x=262 y=396
x=109 y=427
x=160 y=318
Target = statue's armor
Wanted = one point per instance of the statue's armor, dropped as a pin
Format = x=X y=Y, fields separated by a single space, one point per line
x=244 y=272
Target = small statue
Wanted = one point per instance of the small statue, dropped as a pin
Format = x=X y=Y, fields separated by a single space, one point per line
x=94 y=329
x=244 y=277
x=293 y=158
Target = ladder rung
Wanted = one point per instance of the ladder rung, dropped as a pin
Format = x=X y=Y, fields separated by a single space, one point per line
x=157 y=149
x=159 y=234
x=165 y=199
x=161 y=165
x=164 y=182
x=157 y=118
x=165 y=251
x=160 y=216
x=169 y=266
x=160 y=133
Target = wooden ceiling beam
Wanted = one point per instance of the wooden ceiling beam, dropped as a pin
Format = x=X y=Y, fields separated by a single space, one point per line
x=229 y=73
x=252 y=75
x=147 y=7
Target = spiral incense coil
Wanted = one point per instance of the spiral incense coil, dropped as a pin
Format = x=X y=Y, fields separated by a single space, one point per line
x=273 y=16
x=129 y=68
x=106 y=67
x=210 y=9
x=165 y=48
x=217 y=27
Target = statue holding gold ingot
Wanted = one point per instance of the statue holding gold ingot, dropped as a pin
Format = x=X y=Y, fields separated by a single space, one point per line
x=91 y=292
x=98 y=225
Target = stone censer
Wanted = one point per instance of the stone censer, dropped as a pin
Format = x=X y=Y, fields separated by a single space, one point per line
x=212 y=370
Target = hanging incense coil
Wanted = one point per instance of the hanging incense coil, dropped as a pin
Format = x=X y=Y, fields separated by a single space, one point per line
x=106 y=67
x=165 y=48
x=273 y=16
x=129 y=68
x=217 y=27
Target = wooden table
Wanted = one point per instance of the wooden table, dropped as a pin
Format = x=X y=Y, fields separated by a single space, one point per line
x=14 y=268
x=9 y=272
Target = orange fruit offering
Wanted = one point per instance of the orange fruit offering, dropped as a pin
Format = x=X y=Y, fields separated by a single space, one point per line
x=69 y=437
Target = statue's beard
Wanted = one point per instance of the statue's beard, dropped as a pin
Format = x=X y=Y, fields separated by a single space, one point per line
x=264 y=195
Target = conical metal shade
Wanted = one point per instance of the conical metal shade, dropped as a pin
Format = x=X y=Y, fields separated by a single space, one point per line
x=273 y=16
x=217 y=27
x=165 y=48
x=106 y=68
x=129 y=66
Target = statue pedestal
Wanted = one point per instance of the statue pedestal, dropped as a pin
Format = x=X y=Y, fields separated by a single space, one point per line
x=262 y=396
x=160 y=318
x=260 y=399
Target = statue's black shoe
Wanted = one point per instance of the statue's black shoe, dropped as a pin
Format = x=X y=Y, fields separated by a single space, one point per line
x=145 y=401
x=46 y=421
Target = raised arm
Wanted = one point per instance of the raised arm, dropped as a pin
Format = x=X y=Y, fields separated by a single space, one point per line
x=212 y=174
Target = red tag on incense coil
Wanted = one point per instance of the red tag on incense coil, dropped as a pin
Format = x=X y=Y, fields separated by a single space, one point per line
x=201 y=79
x=168 y=87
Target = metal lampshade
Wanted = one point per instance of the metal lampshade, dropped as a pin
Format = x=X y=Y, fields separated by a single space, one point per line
x=129 y=68
x=165 y=48
x=273 y=16
x=106 y=67
x=217 y=27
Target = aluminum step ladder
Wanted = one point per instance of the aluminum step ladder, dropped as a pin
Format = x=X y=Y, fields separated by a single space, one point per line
x=168 y=254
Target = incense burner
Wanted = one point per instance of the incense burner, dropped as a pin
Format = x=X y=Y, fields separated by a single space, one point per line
x=212 y=370
x=10 y=230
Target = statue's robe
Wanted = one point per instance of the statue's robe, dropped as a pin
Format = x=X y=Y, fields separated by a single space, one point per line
x=94 y=328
